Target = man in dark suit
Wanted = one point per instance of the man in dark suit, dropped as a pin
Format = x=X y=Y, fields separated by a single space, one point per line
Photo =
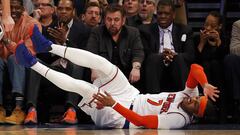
x=118 y=43
x=145 y=14
x=69 y=31
x=169 y=51
x=73 y=33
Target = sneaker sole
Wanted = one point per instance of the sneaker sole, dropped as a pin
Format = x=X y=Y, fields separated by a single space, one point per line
x=2 y=121
x=30 y=123
x=12 y=122
x=70 y=122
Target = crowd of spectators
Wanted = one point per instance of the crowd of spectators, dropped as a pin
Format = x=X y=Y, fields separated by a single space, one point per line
x=152 y=44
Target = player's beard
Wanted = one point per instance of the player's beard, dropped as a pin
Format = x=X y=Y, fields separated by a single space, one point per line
x=113 y=30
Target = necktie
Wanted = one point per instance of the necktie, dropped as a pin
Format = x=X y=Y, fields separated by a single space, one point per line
x=166 y=39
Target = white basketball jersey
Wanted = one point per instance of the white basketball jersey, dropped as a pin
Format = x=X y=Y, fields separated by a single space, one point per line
x=121 y=90
x=166 y=106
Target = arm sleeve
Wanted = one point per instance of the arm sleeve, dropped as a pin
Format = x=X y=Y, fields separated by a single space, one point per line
x=148 y=121
x=196 y=76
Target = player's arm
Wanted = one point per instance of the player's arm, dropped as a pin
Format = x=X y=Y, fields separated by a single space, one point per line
x=148 y=121
x=7 y=20
x=197 y=75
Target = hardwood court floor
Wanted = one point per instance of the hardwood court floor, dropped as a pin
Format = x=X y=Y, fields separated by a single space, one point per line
x=79 y=130
x=117 y=132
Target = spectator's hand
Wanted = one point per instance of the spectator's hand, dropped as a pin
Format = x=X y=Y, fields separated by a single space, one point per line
x=134 y=75
x=9 y=44
x=214 y=38
x=211 y=91
x=203 y=36
x=8 y=23
x=37 y=14
x=59 y=34
x=168 y=55
x=102 y=100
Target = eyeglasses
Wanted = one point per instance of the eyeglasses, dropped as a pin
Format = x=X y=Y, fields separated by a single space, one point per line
x=43 y=5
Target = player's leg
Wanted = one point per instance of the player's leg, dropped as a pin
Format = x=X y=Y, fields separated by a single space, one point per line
x=63 y=81
x=84 y=58
x=76 y=56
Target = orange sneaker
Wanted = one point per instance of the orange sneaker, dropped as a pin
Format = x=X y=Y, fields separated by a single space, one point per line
x=70 y=116
x=31 y=117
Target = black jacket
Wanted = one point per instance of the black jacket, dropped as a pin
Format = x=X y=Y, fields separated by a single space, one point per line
x=130 y=45
x=150 y=36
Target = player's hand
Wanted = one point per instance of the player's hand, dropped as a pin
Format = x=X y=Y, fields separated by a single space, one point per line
x=102 y=100
x=8 y=23
x=211 y=91
x=134 y=75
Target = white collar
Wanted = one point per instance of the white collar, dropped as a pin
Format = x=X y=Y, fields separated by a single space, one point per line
x=169 y=28
x=70 y=24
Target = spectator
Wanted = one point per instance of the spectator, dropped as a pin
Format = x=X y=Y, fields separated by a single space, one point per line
x=232 y=72
x=211 y=48
x=131 y=7
x=92 y=14
x=45 y=14
x=118 y=43
x=21 y=29
x=70 y=32
x=170 y=51
x=145 y=14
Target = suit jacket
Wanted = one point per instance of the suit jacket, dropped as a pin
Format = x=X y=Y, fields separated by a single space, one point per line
x=78 y=35
x=235 y=40
x=77 y=38
x=136 y=21
x=150 y=37
x=130 y=45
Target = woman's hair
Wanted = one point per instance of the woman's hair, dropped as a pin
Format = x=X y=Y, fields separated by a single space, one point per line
x=217 y=15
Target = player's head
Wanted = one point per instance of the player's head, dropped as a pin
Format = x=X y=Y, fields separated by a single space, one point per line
x=195 y=105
